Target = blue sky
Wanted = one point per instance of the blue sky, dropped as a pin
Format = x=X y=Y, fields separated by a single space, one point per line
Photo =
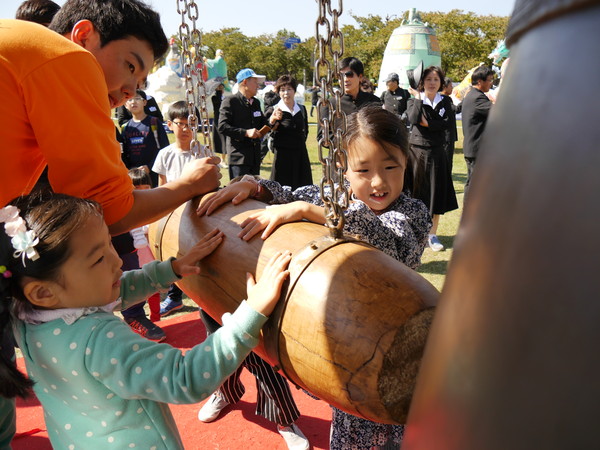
x=269 y=16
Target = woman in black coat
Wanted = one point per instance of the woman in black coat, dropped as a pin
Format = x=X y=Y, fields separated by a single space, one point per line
x=430 y=113
x=291 y=165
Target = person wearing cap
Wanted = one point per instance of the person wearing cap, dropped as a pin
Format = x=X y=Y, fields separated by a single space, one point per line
x=240 y=121
x=354 y=98
x=395 y=99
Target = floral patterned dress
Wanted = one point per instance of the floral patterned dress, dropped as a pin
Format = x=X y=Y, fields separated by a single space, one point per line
x=401 y=232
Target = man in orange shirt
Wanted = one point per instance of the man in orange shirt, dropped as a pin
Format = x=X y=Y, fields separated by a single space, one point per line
x=57 y=89
x=57 y=94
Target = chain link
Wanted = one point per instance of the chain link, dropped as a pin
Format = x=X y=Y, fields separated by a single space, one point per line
x=195 y=89
x=330 y=41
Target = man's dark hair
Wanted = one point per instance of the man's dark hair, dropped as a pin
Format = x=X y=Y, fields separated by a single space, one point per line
x=114 y=19
x=481 y=74
x=38 y=11
x=355 y=65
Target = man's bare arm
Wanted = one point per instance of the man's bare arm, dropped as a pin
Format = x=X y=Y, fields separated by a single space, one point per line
x=198 y=177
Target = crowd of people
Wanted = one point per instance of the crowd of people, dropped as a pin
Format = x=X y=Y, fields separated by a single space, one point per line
x=70 y=186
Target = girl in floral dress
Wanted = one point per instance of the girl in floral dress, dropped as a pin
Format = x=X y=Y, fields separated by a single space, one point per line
x=381 y=213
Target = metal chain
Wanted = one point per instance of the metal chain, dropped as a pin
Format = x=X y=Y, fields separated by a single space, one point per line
x=195 y=89
x=330 y=41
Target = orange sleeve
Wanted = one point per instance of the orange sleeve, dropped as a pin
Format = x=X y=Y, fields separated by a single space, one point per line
x=70 y=115
x=54 y=103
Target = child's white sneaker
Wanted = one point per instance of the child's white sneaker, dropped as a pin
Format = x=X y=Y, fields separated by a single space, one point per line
x=434 y=243
x=293 y=436
x=212 y=408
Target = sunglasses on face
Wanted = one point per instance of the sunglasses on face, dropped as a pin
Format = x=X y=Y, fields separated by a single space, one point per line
x=348 y=74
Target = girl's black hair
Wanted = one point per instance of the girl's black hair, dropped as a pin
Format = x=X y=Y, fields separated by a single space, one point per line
x=114 y=19
x=54 y=218
x=379 y=125
x=389 y=131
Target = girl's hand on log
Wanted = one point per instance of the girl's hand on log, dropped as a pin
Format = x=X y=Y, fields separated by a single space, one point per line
x=186 y=265
x=269 y=219
x=236 y=193
x=264 y=294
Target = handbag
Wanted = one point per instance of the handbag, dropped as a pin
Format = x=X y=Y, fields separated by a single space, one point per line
x=270 y=143
x=271 y=139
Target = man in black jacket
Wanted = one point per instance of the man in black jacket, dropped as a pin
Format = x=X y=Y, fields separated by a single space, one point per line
x=354 y=98
x=240 y=121
x=475 y=110
x=395 y=98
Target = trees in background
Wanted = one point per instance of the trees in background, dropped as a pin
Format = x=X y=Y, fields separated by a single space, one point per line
x=465 y=40
x=266 y=54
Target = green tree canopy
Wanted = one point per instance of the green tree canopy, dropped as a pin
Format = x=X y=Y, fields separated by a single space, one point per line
x=466 y=40
x=266 y=54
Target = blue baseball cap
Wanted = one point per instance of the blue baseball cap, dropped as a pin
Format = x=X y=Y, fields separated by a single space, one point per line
x=247 y=73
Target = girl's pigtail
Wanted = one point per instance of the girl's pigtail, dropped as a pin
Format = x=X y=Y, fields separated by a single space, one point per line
x=13 y=382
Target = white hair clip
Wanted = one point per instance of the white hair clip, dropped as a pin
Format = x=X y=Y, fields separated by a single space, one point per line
x=23 y=240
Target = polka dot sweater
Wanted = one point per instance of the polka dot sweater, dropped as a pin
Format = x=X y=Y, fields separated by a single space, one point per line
x=103 y=386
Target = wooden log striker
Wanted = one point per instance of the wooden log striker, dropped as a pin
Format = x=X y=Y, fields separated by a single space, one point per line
x=351 y=324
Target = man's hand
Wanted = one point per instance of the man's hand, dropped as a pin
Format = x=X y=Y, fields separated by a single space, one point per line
x=202 y=175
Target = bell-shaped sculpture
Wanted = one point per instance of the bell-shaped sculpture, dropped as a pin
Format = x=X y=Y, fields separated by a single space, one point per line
x=512 y=360
x=351 y=324
x=411 y=43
